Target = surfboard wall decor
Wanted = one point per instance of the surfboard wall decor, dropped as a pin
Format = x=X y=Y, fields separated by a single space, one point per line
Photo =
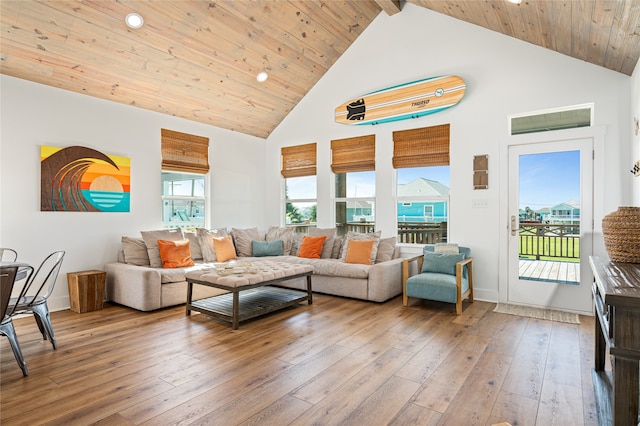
x=409 y=100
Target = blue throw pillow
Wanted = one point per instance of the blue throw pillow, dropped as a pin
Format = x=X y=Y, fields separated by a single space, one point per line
x=442 y=263
x=267 y=248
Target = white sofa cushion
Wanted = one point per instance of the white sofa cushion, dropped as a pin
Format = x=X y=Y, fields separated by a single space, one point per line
x=332 y=267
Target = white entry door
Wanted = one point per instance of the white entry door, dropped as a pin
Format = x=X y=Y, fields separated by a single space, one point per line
x=551 y=221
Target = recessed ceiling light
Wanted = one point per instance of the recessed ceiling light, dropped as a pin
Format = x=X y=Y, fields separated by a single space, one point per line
x=262 y=77
x=515 y=1
x=134 y=20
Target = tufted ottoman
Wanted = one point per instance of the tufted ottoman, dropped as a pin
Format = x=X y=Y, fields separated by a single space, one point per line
x=255 y=280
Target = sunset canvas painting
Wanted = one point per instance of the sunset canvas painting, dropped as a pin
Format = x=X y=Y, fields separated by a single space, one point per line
x=81 y=179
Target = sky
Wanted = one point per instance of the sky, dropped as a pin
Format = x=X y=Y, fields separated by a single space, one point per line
x=549 y=179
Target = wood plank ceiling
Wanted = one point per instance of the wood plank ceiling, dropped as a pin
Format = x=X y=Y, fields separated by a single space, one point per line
x=198 y=60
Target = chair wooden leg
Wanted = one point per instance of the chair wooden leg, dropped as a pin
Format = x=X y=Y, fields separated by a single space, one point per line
x=459 y=307
x=405 y=276
x=470 y=272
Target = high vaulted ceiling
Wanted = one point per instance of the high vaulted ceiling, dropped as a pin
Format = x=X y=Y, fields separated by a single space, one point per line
x=198 y=60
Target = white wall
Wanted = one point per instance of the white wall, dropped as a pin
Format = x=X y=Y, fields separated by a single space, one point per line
x=503 y=75
x=33 y=115
x=635 y=139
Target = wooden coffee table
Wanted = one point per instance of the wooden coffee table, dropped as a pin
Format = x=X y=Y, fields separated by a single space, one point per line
x=250 y=294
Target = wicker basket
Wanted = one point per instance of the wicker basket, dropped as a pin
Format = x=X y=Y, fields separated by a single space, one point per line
x=621 y=230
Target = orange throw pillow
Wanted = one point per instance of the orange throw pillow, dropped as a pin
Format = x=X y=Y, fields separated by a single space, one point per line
x=175 y=254
x=225 y=250
x=359 y=252
x=311 y=247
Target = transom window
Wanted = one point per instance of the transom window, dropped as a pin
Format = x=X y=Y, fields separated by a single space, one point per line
x=570 y=117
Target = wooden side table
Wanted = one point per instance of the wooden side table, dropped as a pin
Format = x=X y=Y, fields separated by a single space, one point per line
x=86 y=290
x=616 y=295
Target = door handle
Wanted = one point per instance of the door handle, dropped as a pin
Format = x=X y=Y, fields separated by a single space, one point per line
x=514 y=228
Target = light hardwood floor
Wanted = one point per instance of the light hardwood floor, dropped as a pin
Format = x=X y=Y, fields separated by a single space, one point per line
x=336 y=362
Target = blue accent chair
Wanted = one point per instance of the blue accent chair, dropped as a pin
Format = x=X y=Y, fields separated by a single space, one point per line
x=441 y=276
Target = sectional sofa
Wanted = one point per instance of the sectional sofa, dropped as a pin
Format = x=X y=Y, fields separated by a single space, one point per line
x=139 y=280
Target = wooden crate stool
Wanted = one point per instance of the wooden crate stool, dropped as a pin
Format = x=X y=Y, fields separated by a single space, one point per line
x=86 y=290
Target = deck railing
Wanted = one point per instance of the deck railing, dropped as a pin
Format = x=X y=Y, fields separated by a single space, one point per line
x=422 y=233
x=540 y=240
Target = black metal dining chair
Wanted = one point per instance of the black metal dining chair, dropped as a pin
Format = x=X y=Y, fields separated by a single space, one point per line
x=37 y=290
x=8 y=274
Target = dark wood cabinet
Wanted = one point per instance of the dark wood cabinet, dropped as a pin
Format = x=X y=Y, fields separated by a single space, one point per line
x=616 y=293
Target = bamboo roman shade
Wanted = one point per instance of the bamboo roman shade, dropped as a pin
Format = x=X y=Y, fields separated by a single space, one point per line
x=182 y=152
x=299 y=160
x=353 y=154
x=424 y=147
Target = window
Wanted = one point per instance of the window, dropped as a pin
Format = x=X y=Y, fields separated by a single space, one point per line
x=183 y=200
x=421 y=158
x=185 y=163
x=353 y=162
x=428 y=212
x=553 y=119
x=299 y=171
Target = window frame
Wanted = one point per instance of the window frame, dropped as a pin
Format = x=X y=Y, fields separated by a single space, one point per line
x=365 y=226
x=412 y=199
x=170 y=198
x=298 y=162
x=301 y=227
x=422 y=148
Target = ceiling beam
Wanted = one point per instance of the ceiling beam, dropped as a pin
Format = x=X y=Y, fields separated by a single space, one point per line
x=391 y=7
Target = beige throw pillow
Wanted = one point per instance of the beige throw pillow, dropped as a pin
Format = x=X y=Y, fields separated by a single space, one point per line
x=330 y=233
x=337 y=247
x=205 y=239
x=243 y=238
x=151 y=241
x=386 y=247
x=446 y=248
x=194 y=245
x=296 y=242
x=361 y=237
x=135 y=251
x=275 y=233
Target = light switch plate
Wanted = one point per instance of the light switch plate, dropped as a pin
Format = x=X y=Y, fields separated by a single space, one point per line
x=480 y=203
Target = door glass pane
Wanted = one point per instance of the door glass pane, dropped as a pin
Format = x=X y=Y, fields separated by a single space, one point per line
x=549 y=217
